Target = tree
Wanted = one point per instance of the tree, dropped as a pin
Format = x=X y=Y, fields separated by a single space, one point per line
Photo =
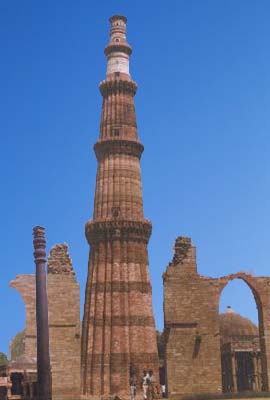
x=17 y=346
x=3 y=359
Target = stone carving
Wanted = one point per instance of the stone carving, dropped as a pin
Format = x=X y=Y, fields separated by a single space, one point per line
x=97 y=231
x=115 y=146
x=107 y=87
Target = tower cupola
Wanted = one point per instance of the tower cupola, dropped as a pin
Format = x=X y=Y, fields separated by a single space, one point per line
x=118 y=50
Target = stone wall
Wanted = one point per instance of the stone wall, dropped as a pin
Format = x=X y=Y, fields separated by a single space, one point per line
x=26 y=285
x=64 y=322
x=191 y=309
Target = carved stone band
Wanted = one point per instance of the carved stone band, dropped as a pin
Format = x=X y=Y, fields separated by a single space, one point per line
x=117 y=86
x=122 y=47
x=39 y=243
x=128 y=147
x=123 y=320
x=98 y=231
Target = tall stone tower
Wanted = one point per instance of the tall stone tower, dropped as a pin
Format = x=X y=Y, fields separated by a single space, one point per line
x=118 y=335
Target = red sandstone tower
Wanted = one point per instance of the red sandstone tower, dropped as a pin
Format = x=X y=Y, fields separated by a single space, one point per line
x=118 y=337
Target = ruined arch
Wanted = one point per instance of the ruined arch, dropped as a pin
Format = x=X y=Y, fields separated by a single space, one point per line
x=191 y=316
x=26 y=286
x=258 y=286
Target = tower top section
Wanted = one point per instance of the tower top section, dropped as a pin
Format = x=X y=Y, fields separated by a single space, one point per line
x=116 y=18
x=118 y=50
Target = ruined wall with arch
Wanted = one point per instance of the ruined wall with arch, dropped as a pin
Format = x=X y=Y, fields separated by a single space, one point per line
x=64 y=321
x=191 y=323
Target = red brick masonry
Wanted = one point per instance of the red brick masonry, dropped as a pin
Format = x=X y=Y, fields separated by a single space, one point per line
x=191 y=306
x=118 y=326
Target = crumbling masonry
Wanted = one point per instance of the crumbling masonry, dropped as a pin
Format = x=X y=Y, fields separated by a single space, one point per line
x=191 y=318
x=64 y=321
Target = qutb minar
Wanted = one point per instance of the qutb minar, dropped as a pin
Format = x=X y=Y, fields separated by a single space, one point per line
x=118 y=335
x=202 y=352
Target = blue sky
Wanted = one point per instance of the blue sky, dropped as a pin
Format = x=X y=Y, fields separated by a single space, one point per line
x=202 y=68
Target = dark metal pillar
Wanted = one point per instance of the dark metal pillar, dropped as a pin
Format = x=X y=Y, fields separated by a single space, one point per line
x=44 y=384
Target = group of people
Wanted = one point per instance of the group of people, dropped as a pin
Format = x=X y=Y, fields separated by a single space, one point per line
x=150 y=389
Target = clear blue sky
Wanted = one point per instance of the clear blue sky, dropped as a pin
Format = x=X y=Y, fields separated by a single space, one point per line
x=203 y=114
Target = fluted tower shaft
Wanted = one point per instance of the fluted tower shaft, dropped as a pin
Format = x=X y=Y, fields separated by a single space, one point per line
x=118 y=338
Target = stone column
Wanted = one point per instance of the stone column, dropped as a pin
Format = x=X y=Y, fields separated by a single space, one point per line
x=43 y=351
x=9 y=392
x=259 y=368
x=31 y=390
x=234 y=373
x=255 y=367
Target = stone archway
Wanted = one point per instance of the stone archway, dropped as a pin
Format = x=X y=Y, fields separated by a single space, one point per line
x=259 y=288
x=191 y=316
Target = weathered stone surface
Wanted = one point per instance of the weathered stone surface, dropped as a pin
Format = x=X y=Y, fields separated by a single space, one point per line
x=26 y=285
x=191 y=304
x=64 y=322
x=118 y=327
x=59 y=261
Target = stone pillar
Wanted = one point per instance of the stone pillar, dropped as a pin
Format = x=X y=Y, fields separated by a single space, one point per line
x=44 y=379
x=264 y=330
x=9 y=391
x=234 y=373
x=259 y=369
x=31 y=390
x=255 y=367
x=24 y=389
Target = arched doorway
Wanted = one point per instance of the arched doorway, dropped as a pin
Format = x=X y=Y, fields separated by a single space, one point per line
x=242 y=360
x=16 y=379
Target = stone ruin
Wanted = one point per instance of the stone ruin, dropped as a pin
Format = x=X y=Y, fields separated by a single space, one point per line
x=191 y=319
x=64 y=322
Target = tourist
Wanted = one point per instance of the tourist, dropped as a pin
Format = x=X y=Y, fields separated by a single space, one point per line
x=163 y=389
x=145 y=384
x=152 y=390
x=151 y=376
x=133 y=387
